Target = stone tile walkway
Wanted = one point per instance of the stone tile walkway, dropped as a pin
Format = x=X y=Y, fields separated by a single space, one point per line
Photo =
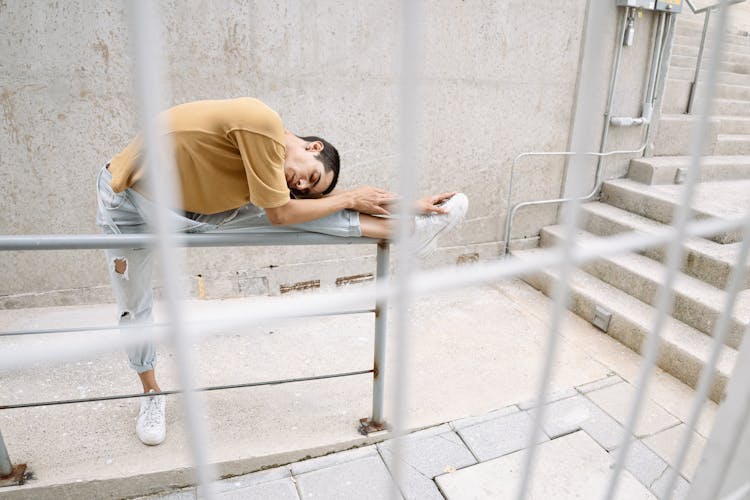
x=481 y=457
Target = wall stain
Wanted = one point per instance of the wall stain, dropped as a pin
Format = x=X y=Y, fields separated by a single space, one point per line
x=103 y=49
x=232 y=44
x=9 y=114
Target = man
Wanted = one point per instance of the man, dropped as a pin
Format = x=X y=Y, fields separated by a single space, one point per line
x=238 y=170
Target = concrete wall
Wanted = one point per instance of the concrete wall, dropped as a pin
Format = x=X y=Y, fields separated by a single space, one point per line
x=500 y=78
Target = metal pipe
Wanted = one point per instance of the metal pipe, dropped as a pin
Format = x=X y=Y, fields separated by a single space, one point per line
x=719 y=334
x=176 y=391
x=381 y=321
x=655 y=58
x=661 y=46
x=605 y=132
x=665 y=298
x=162 y=185
x=653 y=76
x=102 y=241
x=6 y=467
x=698 y=63
x=611 y=92
x=512 y=209
x=94 y=329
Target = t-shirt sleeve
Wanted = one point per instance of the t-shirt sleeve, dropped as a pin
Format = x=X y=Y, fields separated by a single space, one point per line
x=263 y=159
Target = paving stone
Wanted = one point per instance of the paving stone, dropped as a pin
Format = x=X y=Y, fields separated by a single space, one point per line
x=433 y=455
x=333 y=459
x=680 y=491
x=254 y=478
x=424 y=433
x=553 y=396
x=281 y=489
x=570 y=467
x=599 y=384
x=617 y=400
x=469 y=421
x=362 y=479
x=643 y=463
x=500 y=436
x=569 y=415
x=666 y=444
x=413 y=484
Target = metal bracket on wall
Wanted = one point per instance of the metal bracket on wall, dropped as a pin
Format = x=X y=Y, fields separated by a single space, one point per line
x=601 y=319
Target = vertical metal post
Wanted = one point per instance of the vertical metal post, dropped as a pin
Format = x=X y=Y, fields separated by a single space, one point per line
x=381 y=320
x=5 y=466
x=694 y=85
x=377 y=421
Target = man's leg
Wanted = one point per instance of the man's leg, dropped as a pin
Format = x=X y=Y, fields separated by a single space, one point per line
x=376 y=227
x=347 y=223
x=130 y=274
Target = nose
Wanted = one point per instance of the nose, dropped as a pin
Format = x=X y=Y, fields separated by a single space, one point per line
x=302 y=183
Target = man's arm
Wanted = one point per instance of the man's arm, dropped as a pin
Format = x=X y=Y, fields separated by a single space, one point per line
x=365 y=199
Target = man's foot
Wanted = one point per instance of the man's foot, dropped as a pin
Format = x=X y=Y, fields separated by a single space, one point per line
x=151 y=425
x=428 y=227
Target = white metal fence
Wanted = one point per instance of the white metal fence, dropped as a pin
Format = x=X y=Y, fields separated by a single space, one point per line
x=711 y=480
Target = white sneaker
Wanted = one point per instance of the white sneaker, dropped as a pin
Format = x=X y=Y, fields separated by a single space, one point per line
x=428 y=227
x=151 y=425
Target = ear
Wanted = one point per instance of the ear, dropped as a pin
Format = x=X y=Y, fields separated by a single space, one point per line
x=315 y=146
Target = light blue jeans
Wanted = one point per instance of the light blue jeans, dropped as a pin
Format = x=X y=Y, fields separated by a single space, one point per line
x=129 y=212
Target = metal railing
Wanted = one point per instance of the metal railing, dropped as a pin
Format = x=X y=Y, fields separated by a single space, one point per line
x=706 y=20
x=729 y=422
x=12 y=474
x=662 y=45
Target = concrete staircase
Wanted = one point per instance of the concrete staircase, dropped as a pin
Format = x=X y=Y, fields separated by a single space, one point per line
x=627 y=285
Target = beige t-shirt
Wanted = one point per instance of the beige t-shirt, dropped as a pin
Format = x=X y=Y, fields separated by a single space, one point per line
x=227 y=153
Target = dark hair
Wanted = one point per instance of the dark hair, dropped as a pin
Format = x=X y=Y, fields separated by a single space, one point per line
x=329 y=157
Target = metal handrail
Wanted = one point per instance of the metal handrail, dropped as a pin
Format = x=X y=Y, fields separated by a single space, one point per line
x=709 y=7
x=376 y=422
x=111 y=241
x=699 y=60
x=512 y=209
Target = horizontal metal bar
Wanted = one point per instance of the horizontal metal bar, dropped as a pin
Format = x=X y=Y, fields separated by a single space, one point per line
x=709 y=7
x=92 y=329
x=102 y=241
x=166 y=393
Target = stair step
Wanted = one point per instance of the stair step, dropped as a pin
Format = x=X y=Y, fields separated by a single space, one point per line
x=663 y=169
x=728 y=54
x=728 y=66
x=731 y=107
x=696 y=304
x=720 y=199
x=674 y=134
x=732 y=144
x=734 y=124
x=688 y=35
x=722 y=77
x=684 y=350
x=704 y=259
x=734 y=98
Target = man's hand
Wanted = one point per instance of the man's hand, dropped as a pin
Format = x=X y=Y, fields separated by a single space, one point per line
x=370 y=200
x=430 y=204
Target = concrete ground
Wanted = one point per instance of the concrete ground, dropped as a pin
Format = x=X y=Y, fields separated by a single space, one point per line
x=474 y=351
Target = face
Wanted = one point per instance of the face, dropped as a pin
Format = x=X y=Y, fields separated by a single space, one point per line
x=307 y=179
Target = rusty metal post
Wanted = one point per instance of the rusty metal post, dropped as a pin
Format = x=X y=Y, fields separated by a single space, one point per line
x=377 y=423
x=10 y=475
x=5 y=466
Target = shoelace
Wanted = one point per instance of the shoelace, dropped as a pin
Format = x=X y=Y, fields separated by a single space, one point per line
x=152 y=412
